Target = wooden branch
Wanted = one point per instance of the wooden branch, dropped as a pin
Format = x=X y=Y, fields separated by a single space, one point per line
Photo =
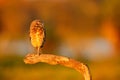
x=53 y=60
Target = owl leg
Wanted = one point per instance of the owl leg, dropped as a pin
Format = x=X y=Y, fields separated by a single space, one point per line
x=39 y=51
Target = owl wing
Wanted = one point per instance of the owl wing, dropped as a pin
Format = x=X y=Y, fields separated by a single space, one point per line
x=44 y=38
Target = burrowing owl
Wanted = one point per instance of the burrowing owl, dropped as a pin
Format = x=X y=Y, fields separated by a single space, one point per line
x=37 y=34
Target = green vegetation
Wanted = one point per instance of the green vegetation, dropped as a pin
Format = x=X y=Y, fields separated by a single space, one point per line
x=13 y=68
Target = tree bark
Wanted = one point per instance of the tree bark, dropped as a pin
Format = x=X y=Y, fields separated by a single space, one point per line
x=54 y=60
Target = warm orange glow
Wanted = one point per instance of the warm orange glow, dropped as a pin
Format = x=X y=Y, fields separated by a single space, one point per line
x=109 y=32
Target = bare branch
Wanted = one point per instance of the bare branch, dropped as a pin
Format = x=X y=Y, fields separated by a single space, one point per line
x=53 y=60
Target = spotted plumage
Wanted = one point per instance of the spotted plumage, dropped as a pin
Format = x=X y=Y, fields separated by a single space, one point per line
x=37 y=34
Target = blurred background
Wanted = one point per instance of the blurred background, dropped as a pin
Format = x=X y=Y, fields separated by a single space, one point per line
x=86 y=30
